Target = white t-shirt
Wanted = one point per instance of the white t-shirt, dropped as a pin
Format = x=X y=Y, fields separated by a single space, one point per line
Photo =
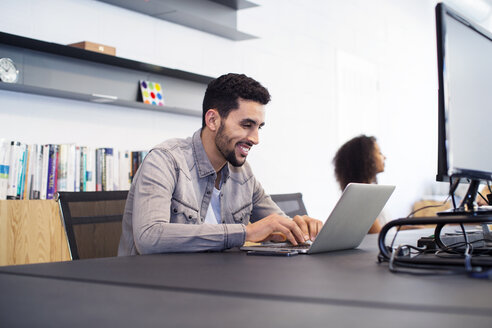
x=213 y=211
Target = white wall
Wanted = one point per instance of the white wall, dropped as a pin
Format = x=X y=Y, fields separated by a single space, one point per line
x=335 y=69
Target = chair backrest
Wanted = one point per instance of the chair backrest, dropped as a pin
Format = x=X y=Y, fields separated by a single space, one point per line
x=92 y=222
x=291 y=204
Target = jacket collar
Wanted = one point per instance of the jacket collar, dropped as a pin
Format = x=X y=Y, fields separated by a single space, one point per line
x=200 y=157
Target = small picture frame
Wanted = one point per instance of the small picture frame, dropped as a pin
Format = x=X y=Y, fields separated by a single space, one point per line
x=151 y=93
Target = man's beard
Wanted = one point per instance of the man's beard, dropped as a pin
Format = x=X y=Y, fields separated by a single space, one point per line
x=221 y=142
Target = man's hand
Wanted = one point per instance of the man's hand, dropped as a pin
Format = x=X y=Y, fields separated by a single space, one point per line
x=275 y=226
x=310 y=227
x=278 y=228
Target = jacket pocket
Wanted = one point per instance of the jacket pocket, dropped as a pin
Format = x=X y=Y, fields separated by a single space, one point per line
x=182 y=213
x=243 y=214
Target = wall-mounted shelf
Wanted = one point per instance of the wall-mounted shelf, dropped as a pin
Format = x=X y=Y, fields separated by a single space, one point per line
x=218 y=17
x=56 y=70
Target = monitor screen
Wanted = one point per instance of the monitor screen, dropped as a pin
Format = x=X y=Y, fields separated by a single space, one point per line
x=465 y=97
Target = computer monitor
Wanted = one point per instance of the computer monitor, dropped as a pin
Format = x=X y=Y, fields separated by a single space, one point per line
x=464 y=52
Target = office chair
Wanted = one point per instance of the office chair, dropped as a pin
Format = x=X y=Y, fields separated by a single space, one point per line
x=291 y=204
x=92 y=222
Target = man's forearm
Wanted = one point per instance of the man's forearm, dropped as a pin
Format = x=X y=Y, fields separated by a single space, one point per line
x=174 y=237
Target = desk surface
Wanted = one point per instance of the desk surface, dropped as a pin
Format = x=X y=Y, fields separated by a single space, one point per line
x=40 y=302
x=328 y=286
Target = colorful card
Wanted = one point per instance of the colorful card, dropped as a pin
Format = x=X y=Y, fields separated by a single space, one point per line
x=151 y=93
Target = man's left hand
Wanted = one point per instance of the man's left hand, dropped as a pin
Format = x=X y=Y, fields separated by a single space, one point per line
x=310 y=227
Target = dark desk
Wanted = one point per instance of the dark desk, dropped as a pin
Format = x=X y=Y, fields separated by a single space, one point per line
x=228 y=289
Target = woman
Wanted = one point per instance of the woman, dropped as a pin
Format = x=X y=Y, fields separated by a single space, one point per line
x=359 y=160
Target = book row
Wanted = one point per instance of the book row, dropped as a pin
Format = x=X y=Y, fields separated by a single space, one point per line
x=39 y=171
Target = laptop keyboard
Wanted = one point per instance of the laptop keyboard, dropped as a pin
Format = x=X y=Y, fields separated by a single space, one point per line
x=290 y=246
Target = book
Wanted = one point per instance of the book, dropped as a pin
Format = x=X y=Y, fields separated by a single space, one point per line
x=78 y=154
x=52 y=171
x=57 y=160
x=90 y=173
x=125 y=174
x=39 y=171
x=44 y=172
x=143 y=153
x=134 y=163
x=108 y=170
x=30 y=169
x=4 y=167
x=37 y=174
x=61 y=180
x=71 y=158
x=116 y=169
x=21 y=175
x=83 y=168
x=100 y=168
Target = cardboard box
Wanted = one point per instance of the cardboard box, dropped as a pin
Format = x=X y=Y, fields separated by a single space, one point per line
x=91 y=46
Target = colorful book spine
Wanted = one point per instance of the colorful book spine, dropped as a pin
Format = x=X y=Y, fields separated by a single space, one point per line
x=44 y=171
x=40 y=171
x=30 y=170
x=52 y=169
x=21 y=177
x=57 y=158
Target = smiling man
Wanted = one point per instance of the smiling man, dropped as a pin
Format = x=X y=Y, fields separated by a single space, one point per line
x=199 y=193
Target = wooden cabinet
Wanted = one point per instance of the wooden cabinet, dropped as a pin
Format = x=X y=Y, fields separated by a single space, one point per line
x=31 y=232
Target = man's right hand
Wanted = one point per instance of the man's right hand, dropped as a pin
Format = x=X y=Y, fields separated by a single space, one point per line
x=274 y=224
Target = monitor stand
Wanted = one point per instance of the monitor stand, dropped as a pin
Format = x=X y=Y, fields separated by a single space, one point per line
x=468 y=206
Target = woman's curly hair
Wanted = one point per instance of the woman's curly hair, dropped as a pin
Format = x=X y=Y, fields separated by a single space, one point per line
x=355 y=161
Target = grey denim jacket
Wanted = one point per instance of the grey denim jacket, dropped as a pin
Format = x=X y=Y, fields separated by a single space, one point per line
x=169 y=198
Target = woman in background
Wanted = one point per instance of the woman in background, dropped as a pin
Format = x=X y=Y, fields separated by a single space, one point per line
x=359 y=160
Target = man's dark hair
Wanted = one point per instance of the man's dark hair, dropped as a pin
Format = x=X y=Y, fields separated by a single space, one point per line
x=223 y=93
x=355 y=161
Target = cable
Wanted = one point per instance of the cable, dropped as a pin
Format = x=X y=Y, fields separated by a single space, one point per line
x=468 y=266
x=428 y=206
x=419 y=269
x=395 y=265
x=485 y=199
x=455 y=258
x=482 y=275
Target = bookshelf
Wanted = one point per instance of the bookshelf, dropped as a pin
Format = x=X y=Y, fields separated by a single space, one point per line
x=56 y=70
x=31 y=231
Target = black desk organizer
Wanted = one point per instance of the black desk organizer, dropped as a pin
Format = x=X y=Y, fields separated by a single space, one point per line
x=481 y=257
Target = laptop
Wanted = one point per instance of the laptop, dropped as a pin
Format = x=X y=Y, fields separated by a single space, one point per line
x=348 y=223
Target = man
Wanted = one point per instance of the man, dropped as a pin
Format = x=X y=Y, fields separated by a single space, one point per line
x=199 y=193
